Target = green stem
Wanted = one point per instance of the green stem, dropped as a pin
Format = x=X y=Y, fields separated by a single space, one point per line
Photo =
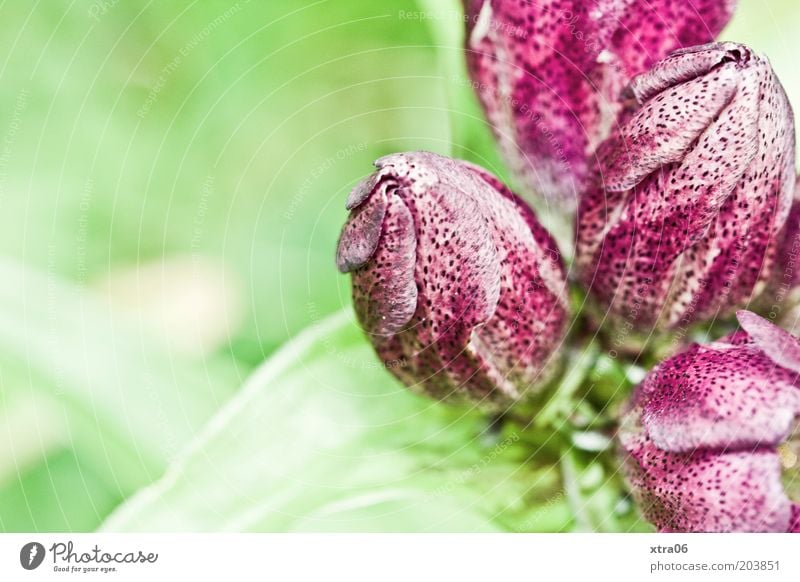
x=579 y=365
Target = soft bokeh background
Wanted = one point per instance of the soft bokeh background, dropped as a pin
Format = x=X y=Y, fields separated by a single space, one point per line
x=172 y=178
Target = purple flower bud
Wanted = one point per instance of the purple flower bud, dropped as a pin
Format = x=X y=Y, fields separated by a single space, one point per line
x=789 y=268
x=782 y=297
x=460 y=289
x=693 y=190
x=549 y=73
x=703 y=432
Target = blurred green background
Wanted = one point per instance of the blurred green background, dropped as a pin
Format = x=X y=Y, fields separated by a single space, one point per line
x=172 y=179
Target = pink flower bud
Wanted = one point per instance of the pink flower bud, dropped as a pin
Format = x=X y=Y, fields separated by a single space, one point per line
x=702 y=434
x=781 y=299
x=549 y=73
x=460 y=289
x=692 y=192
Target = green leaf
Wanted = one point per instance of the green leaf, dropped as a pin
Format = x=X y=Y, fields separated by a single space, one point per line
x=236 y=131
x=323 y=438
x=92 y=407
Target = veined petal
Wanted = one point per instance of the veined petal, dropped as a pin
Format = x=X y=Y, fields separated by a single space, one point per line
x=705 y=490
x=666 y=127
x=361 y=232
x=688 y=207
x=385 y=293
x=550 y=73
x=777 y=344
x=733 y=398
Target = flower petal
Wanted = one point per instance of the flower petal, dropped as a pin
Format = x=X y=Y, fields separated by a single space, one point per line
x=779 y=345
x=666 y=127
x=651 y=29
x=531 y=313
x=385 y=293
x=688 y=208
x=550 y=73
x=795 y=525
x=361 y=232
x=730 y=397
x=705 y=490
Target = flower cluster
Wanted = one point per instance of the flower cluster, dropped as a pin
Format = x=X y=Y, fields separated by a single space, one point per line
x=675 y=155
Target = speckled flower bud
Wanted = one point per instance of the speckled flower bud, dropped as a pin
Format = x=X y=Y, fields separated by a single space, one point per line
x=460 y=289
x=710 y=433
x=549 y=74
x=692 y=192
x=781 y=300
